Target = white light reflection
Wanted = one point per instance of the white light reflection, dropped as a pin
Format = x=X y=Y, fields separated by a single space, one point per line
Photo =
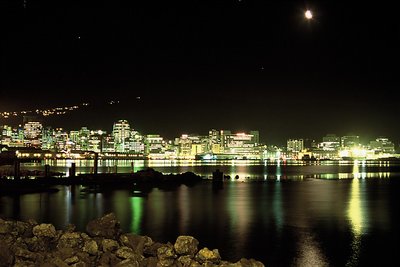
x=309 y=253
x=356 y=214
x=278 y=171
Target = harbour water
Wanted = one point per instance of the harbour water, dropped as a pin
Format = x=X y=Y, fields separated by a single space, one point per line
x=283 y=214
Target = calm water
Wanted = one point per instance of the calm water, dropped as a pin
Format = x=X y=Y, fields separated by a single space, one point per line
x=282 y=215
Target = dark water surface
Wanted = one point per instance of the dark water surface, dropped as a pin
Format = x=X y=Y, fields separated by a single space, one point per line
x=289 y=216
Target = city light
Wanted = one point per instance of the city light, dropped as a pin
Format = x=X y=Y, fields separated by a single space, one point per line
x=126 y=143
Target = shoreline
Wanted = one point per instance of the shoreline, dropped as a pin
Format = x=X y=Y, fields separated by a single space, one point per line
x=103 y=244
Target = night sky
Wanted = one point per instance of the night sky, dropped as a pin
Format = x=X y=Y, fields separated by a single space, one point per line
x=198 y=65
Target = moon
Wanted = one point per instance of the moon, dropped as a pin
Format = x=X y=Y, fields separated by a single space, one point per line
x=308 y=14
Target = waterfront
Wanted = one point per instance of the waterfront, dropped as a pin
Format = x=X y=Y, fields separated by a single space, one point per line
x=297 y=215
x=244 y=169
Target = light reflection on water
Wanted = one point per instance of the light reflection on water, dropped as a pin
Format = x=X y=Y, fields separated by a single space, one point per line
x=242 y=170
x=300 y=221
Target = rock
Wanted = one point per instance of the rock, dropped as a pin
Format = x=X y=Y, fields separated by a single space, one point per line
x=166 y=255
x=187 y=261
x=107 y=226
x=84 y=258
x=85 y=237
x=6 y=256
x=37 y=244
x=22 y=263
x=186 y=245
x=166 y=252
x=71 y=260
x=70 y=228
x=149 y=262
x=152 y=249
x=109 y=245
x=108 y=259
x=23 y=229
x=24 y=254
x=70 y=240
x=91 y=247
x=6 y=227
x=206 y=255
x=128 y=263
x=126 y=253
x=32 y=244
x=44 y=230
x=136 y=242
x=64 y=253
x=249 y=263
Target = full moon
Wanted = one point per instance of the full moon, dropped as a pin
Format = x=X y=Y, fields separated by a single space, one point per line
x=308 y=14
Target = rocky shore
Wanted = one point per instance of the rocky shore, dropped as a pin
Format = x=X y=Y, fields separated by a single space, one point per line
x=104 y=244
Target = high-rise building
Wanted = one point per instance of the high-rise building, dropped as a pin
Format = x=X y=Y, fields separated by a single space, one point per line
x=121 y=133
x=350 y=141
x=382 y=145
x=154 y=146
x=330 y=142
x=48 y=139
x=295 y=145
x=32 y=131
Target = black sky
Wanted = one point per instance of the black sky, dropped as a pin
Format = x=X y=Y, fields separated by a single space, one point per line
x=198 y=65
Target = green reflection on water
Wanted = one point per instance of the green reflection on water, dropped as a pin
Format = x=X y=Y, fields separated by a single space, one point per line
x=137 y=212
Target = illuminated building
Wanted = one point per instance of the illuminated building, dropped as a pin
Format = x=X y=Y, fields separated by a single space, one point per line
x=154 y=146
x=60 y=139
x=121 y=133
x=32 y=131
x=83 y=140
x=95 y=141
x=74 y=137
x=382 y=145
x=295 y=145
x=108 y=144
x=240 y=145
x=350 y=141
x=184 y=147
x=48 y=138
x=136 y=143
x=5 y=135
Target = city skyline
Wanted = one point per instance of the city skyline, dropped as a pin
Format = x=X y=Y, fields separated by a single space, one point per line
x=18 y=120
x=233 y=64
x=40 y=127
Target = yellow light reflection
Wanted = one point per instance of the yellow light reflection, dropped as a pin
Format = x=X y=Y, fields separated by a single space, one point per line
x=355 y=210
x=356 y=214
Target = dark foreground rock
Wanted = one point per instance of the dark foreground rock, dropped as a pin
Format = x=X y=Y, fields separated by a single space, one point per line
x=104 y=244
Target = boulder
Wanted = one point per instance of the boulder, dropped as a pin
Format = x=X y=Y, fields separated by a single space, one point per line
x=107 y=226
x=70 y=240
x=136 y=242
x=44 y=230
x=188 y=261
x=206 y=255
x=186 y=245
x=249 y=263
x=152 y=249
x=166 y=255
x=6 y=255
x=128 y=263
x=91 y=247
x=6 y=227
x=109 y=245
x=108 y=259
x=23 y=229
